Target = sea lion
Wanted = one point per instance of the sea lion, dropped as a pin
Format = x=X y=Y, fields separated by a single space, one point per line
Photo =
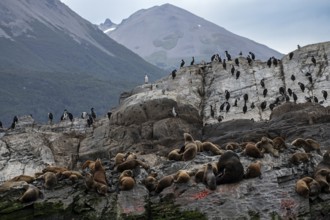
x=8 y=185
x=307 y=186
x=92 y=185
x=300 y=157
x=190 y=147
x=267 y=146
x=90 y=164
x=321 y=177
x=325 y=162
x=119 y=158
x=199 y=175
x=233 y=146
x=199 y=146
x=308 y=145
x=50 y=179
x=26 y=178
x=99 y=173
x=253 y=170
x=209 y=178
x=130 y=156
x=54 y=169
x=164 y=182
x=31 y=194
x=208 y=146
x=131 y=164
x=69 y=174
x=175 y=155
x=150 y=181
x=252 y=151
x=279 y=144
x=182 y=176
x=126 y=180
x=230 y=168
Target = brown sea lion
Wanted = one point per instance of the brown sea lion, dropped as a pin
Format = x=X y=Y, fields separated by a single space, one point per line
x=234 y=146
x=119 y=158
x=209 y=178
x=126 y=180
x=230 y=168
x=325 y=162
x=50 y=179
x=92 y=185
x=150 y=181
x=182 y=176
x=8 y=185
x=300 y=157
x=208 y=146
x=321 y=177
x=26 y=178
x=253 y=170
x=54 y=169
x=175 y=155
x=267 y=146
x=308 y=145
x=164 y=182
x=190 y=148
x=252 y=151
x=90 y=164
x=279 y=144
x=31 y=194
x=307 y=186
x=99 y=173
x=199 y=146
x=131 y=164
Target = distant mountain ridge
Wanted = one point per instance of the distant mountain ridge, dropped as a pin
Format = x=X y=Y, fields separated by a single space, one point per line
x=165 y=34
x=52 y=59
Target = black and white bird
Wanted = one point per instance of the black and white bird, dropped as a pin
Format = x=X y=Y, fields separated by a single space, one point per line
x=227 y=107
x=290 y=55
x=224 y=65
x=274 y=61
x=182 y=63
x=50 y=117
x=302 y=86
x=249 y=60
x=244 y=108
x=263 y=105
x=281 y=90
x=174 y=74
x=109 y=114
x=265 y=92
x=252 y=105
x=269 y=62
x=192 y=61
x=222 y=106
x=314 y=60
x=293 y=78
x=237 y=61
x=262 y=83
x=325 y=94
x=228 y=56
x=295 y=97
x=290 y=92
x=93 y=114
x=252 y=55
x=271 y=106
x=238 y=73
x=227 y=94
x=235 y=103
x=232 y=70
x=246 y=98
x=211 y=111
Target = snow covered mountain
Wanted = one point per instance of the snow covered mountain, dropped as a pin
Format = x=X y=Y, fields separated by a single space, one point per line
x=52 y=59
x=107 y=26
x=163 y=35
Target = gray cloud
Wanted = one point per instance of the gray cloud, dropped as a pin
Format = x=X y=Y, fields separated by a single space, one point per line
x=280 y=25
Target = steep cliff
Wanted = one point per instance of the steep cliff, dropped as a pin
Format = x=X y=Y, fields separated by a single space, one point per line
x=144 y=123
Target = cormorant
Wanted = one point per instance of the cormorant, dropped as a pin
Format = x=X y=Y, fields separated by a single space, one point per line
x=252 y=55
x=313 y=60
x=192 y=62
x=93 y=114
x=271 y=106
x=246 y=97
x=228 y=56
x=249 y=60
x=252 y=105
x=109 y=114
x=293 y=78
x=295 y=98
x=182 y=63
x=290 y=55
x=290 y=92
x=262 y=83
x=237 y=61
x=235 y=103
x=281 y=90
x=274 y=61
x=244 y=108
x=325 y=94
x=173 y=74
x=316 y=100
x=222 y=106
x=265 y=92
x=269 y=62
x=232 y=70
x=227 y=95
x=212 y=111
x=263 y=105
x=302 y=86
x=224 y=64
x=50 y=117
x=227 y=107
x=238 y=73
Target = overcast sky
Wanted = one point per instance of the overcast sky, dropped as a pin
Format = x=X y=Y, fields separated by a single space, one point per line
x=279 y=24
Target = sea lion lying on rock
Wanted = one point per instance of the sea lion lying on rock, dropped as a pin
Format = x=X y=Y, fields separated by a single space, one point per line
x=307 y=186
x=230 y=168
x=267 y=146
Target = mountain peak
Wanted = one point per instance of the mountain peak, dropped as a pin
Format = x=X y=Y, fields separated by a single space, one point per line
x=165 y=34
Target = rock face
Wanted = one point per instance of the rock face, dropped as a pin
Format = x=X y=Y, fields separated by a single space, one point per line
x=144 y=123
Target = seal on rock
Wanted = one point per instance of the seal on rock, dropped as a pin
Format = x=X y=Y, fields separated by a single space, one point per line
x=164 y=182
x=209 y=178
x=230 y=168
x=267 y=145
x=182 y=176
x=31 y=194
x=190 y=147
x=253 y=170
x=126 y=180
